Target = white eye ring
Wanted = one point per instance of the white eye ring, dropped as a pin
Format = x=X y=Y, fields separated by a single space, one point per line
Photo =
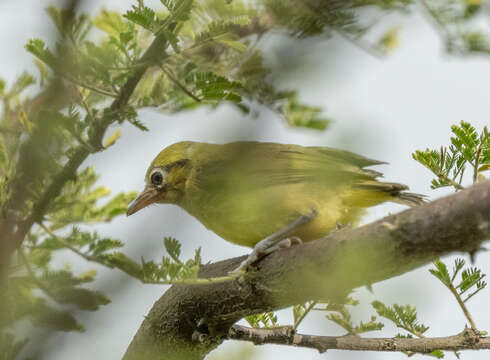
x=157 y=176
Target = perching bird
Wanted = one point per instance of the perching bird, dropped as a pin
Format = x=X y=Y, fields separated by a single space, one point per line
x=246 y=191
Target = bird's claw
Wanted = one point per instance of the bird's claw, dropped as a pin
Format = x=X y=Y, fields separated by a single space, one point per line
x=260 y=252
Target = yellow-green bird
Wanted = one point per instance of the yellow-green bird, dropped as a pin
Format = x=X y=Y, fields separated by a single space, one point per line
x=246 y=191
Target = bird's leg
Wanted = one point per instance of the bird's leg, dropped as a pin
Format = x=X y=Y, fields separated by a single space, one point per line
x=275 y=241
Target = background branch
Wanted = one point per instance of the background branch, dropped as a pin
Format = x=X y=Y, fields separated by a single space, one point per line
x=327 y=268
x=468 y=339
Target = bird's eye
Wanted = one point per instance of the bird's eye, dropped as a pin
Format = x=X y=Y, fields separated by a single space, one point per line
x=156 y=177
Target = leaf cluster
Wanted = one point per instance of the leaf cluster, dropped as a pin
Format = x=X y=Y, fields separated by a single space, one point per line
x=266 y=320
x=339 y=314
x=405 y=317
x=464 y=283
x=171 y=268
x=468 y=149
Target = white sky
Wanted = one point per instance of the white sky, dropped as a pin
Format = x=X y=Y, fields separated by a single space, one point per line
x=383 y=109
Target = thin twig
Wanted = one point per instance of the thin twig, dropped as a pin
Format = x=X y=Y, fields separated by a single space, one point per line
x=432 y=17
x=88 y=257
x=450 y=181
x=62 y=242
x=462 y=306
x=301 y=318
x=358 y=42
x=468 y=339
x=179 y=84
x=89 y=87
x=477 y=163
x=192 y=281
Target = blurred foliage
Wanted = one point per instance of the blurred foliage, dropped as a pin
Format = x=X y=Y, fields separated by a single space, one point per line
x=177 y=57
x=460 y=24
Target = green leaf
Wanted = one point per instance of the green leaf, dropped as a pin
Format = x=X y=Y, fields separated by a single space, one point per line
x=40 y=257
x=87 y=276
x=404 y=317
x=173 y=248
x=78 y=202
x=343 y=319
x=21 y=83
x=441 y=272
x=253 y=320
x=112 y=23
x=265 y=320
x=4 y=158
x=468 y=148
x=48 y=317
x=84 y=299
x=371 y=325
x=38 y=48
x=297 y=114
x=121 y=261
x=437 y=354
x=172 y=39
x=466 y=139
x=236 y=45
x=111 y=140
x=339 y=314
x=101 y=246
x=142 y=16
x=179 y=9
x=138 y=124
x=458 y=265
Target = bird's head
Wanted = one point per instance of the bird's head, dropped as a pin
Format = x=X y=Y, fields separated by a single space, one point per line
x=165 y=178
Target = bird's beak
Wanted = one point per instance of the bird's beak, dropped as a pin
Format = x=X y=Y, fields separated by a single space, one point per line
x=148 y=196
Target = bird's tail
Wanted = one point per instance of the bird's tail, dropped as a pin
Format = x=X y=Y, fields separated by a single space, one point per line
x=410 y=199
x=397 y=193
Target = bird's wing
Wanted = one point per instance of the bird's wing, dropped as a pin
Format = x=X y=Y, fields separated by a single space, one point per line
x=244 y=165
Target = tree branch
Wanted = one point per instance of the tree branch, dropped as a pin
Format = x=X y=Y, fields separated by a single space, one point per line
x=187 y=322
x=468 y=339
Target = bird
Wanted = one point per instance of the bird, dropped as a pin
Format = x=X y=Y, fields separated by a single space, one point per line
x=255 y=193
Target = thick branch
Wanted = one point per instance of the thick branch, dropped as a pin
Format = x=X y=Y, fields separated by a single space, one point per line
x=468 y=339
x=323 y=269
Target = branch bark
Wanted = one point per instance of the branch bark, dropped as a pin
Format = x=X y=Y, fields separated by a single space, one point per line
x=189 y=321
x=468 y=339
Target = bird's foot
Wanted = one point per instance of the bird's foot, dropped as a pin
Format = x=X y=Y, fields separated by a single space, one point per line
x=259 y=253
x=284 y=244
x=340 y=226
x=278 y=240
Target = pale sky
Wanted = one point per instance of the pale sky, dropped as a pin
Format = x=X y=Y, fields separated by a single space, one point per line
x=383 y=109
